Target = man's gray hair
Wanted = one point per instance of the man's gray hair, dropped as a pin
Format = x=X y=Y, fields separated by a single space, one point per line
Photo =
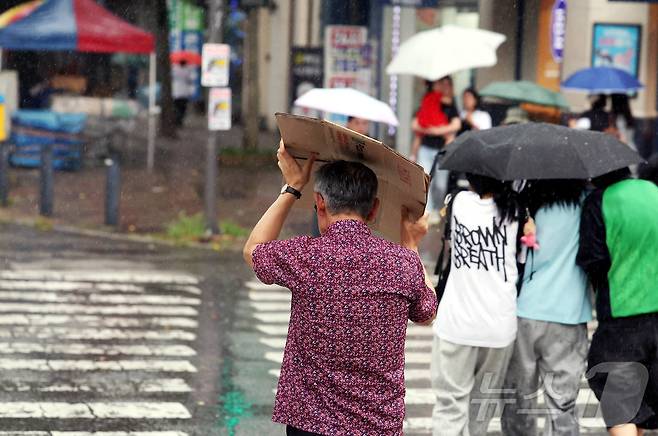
x=347 y=187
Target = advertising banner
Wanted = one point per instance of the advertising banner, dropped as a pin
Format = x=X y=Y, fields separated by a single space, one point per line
x=617 y=45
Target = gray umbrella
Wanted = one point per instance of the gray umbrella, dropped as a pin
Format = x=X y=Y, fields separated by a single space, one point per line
x=537 y=151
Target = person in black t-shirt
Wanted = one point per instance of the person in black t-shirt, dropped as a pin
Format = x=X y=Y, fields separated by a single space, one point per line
x=433 y=141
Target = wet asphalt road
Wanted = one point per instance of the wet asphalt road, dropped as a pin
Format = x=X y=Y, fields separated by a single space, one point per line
x=116 y=338
x=99 y=336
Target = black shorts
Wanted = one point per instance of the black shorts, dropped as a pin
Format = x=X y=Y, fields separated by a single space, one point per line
x=293 y=431
x=622 y=370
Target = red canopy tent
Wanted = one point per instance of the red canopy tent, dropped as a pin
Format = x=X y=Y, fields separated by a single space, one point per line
x=79 y=25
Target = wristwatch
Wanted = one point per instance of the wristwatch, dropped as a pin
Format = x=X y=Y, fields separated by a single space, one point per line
x=290 y=190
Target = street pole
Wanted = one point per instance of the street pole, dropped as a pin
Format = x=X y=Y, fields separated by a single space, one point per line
x=215 y=19
x=47 y=188
x=112 y=190
x=4 y=174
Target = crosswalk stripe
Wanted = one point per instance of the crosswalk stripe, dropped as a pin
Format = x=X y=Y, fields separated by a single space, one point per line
x=96 y=334
x=268 y=306
x=95 y=410
x=94 y=349
x=280 y=343
x=417 y=424
x=101 y=276
x=269 y=296
x=281 y=328
x=97 y=321
x=96 y=433
x=277 y=356
x=91 y=365
x=426 y=396
x=126 y=309
x=69 y=286
x=409 y=374
x=258 y=286
x=50 y=297
x=175 y=385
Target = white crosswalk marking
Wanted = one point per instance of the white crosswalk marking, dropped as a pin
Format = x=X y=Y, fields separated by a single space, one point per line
x=114 y=343
x=266 y=310
x=97 y=321
x=102 y=276
x=97 y=310
x=98 y=433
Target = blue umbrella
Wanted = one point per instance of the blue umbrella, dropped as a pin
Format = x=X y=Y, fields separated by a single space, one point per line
x=602 y=80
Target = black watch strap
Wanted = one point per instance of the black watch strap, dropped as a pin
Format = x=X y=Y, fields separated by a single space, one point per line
x=290 y=190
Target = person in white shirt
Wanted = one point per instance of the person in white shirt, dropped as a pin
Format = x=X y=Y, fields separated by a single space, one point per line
x=476 y=321
x=473 y=118
x=182 y=88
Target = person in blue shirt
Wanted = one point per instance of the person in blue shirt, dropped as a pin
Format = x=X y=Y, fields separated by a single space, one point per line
x=553 y=309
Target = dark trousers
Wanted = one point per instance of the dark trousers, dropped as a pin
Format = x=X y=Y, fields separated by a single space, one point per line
x=180 y=107
x=292 y=431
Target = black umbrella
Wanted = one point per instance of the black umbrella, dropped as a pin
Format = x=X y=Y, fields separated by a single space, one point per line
x=537 y=151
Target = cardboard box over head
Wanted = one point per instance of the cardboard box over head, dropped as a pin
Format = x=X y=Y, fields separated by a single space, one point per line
x=401 y=182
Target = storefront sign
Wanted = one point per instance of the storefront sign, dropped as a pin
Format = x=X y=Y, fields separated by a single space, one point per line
x=617 y=45
x=215 y=65
x=219 y=109
x=348 y=60
x=558 y=29
x=306 y=73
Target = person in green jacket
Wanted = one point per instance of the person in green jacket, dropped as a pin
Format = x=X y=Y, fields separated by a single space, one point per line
x=619 y=252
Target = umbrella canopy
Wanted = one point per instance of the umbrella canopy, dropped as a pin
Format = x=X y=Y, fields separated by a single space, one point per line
x=435 y=53
x=523 y=91
x=348 y=101
x=188 y=57
x=602 y=80
x=75 y=25
x=16 y=13
x=537 y=151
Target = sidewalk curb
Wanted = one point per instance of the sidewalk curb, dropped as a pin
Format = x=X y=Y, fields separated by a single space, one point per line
x=142 y=239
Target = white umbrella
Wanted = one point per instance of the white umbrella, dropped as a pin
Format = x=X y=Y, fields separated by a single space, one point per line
x=435 y=53
x=348 y=101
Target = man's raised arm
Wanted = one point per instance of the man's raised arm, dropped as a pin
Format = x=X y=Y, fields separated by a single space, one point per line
x=269 y=226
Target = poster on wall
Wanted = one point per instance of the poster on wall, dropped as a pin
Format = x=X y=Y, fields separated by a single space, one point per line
x=617 y=45
x=305 y=74
x=348 y=60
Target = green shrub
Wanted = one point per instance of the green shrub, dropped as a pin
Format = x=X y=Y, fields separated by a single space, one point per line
x=187 y=227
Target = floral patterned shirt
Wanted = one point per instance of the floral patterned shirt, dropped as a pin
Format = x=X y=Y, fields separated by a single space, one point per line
x=352 y=294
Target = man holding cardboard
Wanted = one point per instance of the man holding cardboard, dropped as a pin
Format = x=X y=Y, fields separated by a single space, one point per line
x=352 y=296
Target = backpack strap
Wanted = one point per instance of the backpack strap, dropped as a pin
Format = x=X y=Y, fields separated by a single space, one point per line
x=445 y=237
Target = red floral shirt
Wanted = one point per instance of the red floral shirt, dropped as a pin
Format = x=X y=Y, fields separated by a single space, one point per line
x=352 y=294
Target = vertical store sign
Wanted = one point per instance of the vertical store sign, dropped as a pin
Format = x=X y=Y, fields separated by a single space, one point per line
x=558 y=29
